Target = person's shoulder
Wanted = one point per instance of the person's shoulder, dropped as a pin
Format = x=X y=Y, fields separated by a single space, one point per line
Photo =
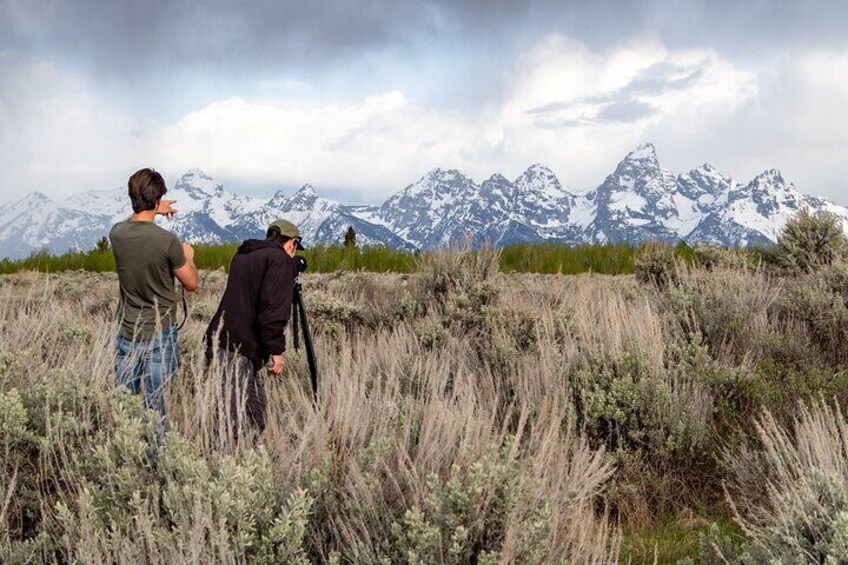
x=278 y=256
x=118 y=228
x=278 y=253
x=165 y=235
x=159 y=236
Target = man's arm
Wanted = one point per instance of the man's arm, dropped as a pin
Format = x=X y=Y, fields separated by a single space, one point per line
x=187 y=274
x=275 y=304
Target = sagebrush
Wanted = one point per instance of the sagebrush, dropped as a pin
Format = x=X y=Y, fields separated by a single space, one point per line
x=465 y=415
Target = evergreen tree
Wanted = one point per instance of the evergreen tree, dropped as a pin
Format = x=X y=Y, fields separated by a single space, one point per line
x=102 y=244
x=350 y=237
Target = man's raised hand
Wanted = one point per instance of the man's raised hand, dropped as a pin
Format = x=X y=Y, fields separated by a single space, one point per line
x=165 y=208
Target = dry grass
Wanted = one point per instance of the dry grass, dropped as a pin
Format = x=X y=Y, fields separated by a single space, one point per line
x=464 y=415
x=414 y=451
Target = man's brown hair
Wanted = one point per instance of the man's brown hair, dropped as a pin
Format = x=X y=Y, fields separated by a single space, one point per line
x=146 y=187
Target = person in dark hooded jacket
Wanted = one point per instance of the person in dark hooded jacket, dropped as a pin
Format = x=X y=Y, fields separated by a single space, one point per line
x=247 y=329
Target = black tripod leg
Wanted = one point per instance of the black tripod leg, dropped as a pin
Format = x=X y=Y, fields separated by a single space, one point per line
x=295 y=333
x=307 y=340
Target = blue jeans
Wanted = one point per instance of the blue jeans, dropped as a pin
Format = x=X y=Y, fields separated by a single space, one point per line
x=148 y=366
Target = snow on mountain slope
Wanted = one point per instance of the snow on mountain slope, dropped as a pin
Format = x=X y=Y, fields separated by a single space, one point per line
x=208 y=213
x=427 y=212
x=541 y=202
x=37 y=223
x=446 y=207
x=637 y=202
x=640 y=200
x=112 y=203
x=706 y=186
x=195 y=192
x=763 y=205
x=305 y=209
x=757 y=212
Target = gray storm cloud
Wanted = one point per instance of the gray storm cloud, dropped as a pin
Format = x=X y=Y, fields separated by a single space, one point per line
x=125 y=36
x=625 y=104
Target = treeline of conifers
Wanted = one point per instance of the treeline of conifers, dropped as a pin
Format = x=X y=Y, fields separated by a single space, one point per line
x=545 y=258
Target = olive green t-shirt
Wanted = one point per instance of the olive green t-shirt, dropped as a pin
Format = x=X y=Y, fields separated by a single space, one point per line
x=146 y=257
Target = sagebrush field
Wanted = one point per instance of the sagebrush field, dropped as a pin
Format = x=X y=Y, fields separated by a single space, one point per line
x=465 y=416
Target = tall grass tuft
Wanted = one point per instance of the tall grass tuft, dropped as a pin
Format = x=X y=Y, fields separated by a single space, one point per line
x=553 y=258
x=796 y=511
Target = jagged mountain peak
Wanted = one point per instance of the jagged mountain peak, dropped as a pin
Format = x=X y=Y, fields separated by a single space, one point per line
x=703 y=181
x=305 y=199
x=640 y=169
x=643 y=152
x=770 y=191
x=639 y=201
x=445 y=175
x=537 y=173
x=32 y=202
x=771 y=177
x=538 y=168
x=278 y=199
x=306 y=190
x=37 y=197
x=540 y=205
x=641 y=163
x=706 y=171
x=756 y=212
x=496 y=178
x=438 y=184
x=767 y=185
x=198 y=184
x=540 y=180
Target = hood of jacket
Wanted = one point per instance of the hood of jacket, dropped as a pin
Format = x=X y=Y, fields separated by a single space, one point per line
x=251 y=245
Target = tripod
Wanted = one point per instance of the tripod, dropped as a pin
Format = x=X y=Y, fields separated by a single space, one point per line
x=299 y=318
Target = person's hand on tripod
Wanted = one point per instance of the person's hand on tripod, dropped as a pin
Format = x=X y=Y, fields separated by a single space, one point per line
x=277 y=366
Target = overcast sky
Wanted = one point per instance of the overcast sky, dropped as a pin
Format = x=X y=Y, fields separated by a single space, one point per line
x=361 y=98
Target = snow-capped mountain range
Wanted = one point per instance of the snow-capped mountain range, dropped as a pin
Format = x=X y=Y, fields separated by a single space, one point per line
x=639 y=201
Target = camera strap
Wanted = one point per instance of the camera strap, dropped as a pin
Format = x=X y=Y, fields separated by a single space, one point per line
x=185 y=309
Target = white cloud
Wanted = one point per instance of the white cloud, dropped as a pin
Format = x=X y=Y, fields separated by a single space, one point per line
x=58 y=135
x=798 y=123
x=378 y=145
x=562 y=69
x=372 y=147
x=580 y=111
x=576 y=110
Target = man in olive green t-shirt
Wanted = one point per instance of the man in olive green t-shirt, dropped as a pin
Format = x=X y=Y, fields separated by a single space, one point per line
x=147 y=259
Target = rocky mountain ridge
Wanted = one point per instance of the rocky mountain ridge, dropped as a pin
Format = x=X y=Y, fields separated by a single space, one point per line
x=638 y=201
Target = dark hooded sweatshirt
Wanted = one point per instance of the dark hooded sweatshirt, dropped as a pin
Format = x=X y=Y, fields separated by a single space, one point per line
x=256 y=304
